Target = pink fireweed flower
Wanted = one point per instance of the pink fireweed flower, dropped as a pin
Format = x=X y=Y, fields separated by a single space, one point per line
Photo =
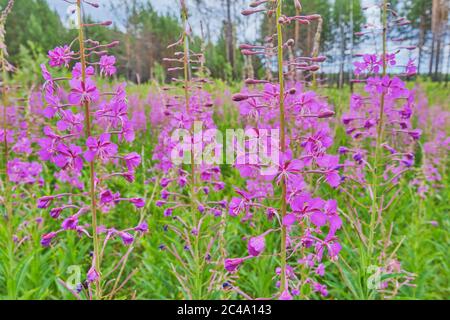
x=286 y=295
x=47 y=239
x=101 y=147
x=107 y=197
x=92 y=275
x=127 y=238
x=76 y=72
x=256 y=245
x=411 y=68
x=330 y=165
x=143 y=227
x=22 y=172
x=82 y=92
x=320 y=288
x=231 y=265
x=45 y=202
x=138 y=202
x=69 y=157
x=60 y=56
x=132 y=160
x=371 y=63
x=70 y=122
x=70 y=223
x=107 y=65
x=238 y=205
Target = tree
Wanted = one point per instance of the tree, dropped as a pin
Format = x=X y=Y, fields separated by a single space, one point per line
x=419 y=13
x=347 y=18
x=32 y=21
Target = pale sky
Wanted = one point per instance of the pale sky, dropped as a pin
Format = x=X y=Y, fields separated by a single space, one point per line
x=248 y=26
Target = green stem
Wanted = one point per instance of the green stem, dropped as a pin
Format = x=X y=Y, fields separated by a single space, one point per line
x=375 y=207
x=198 y=271
x=92 y=191
x=186 y=68
x=283 y=284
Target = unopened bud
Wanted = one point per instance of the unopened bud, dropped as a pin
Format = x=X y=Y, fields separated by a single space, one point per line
x=248 y=12
x=326 y=113
x=239 y=97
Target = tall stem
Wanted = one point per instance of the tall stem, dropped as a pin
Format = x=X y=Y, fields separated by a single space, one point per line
x=379 y=139
x=92 y=191
x=186 y=67
x=283 y=284
x=198 y=263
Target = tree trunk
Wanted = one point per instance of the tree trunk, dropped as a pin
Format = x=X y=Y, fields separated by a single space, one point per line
x=421 y=41
x=352 y=44
x=229 y=37
x=297 y=44
x=342 y=57
x=430 y=69
x=438 y=59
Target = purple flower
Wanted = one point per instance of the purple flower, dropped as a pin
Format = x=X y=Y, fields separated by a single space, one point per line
x=168 y=212
x=102 y=148
x=47 y=239
x=231 y=265
x=286 y=295
x=370 y=63
x=138 y=202
x=76 y=72
x=236 y=206
x=107 y=196
x=289 y=220
x=70 y=223
x=70 y=121
x=256 y=245
x=415 y=134
x=56 y=212
x=160 y=203
x=107 y=65
x=92 y=275
x=60 y=56
x=330 y=165
x=82 y=92
x=69 y=157
x=127 y=238
x=410 y=68
x=321 y=288
x=132 y=161
x=320 y=270
x=44 y=202
x=142 y=227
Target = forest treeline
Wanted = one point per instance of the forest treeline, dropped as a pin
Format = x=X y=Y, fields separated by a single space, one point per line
x=34 y=27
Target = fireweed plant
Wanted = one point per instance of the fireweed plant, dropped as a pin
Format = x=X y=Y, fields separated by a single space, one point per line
x=20 y=234
x=305 y=223
x=434 y=122
x=81 y=142
x=190 y=195
x=20 y=176
x=382 y=152
x=6 y=133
